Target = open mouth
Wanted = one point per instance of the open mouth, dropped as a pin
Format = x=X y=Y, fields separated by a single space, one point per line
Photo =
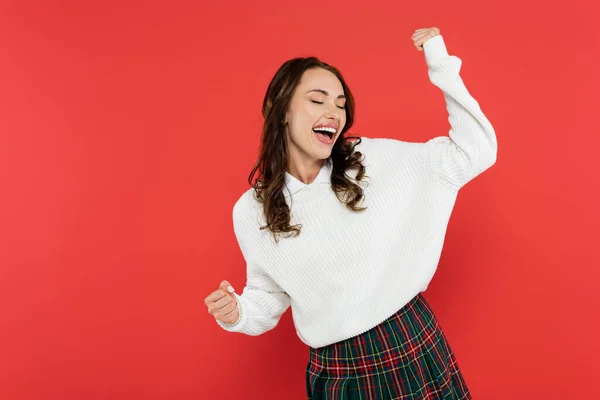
x=325 y=133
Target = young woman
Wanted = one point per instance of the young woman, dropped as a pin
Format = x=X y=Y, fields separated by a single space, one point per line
x=349 y=233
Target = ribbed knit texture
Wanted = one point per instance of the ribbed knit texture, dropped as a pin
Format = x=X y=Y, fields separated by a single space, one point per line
x=348 y=271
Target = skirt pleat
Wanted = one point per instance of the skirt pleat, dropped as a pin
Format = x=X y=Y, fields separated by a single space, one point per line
x=406 y=357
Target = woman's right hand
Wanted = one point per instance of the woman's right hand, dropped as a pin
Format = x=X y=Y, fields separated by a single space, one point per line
x=222 y=304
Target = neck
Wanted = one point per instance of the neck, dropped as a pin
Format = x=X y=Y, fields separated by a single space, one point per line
x=304 y=171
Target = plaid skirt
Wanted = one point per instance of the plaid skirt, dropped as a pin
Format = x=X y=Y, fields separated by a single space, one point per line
x=406 y=357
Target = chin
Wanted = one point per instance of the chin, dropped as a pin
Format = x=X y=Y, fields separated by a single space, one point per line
x=320 y=150
x=324 y=155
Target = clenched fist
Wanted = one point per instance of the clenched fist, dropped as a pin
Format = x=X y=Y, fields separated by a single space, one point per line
x=222 y=304
x=422 y=35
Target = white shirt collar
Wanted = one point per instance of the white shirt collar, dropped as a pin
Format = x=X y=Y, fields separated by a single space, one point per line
x=293 y=184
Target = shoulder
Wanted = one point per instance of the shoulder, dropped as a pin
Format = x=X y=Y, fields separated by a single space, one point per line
x=245 y=203
x=381 y=144
x=247 y=208
x=248 y=218
x=377 y=147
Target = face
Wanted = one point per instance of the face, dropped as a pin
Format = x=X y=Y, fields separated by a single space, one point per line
x=316 y=108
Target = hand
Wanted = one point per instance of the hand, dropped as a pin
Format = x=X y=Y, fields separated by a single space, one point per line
x=422 y=35
x=222 y=304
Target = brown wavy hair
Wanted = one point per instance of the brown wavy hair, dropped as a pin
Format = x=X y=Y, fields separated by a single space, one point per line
x=273 y=158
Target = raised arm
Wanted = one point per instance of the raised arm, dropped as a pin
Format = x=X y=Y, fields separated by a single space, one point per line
x=471 y=146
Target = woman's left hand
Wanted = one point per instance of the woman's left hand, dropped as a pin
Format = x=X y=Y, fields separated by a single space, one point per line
x=422 y=35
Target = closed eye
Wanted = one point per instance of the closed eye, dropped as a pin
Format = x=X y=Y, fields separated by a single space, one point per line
x=320 y=102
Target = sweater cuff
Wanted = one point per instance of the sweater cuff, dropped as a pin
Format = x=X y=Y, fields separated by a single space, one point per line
x=435 y=51
x=239 y=324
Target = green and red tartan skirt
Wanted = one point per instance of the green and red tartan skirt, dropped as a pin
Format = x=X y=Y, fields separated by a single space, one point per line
x=406 y=357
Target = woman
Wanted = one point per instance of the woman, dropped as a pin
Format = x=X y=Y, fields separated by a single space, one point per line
x=349 y=233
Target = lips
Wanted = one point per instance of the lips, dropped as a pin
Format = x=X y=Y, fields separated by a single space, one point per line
x=329 y=125
x=324 y=137
x=328 y=130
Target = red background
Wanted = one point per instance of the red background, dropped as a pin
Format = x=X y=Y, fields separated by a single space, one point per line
x=127 y=132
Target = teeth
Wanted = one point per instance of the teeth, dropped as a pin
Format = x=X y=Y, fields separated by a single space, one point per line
x=326 y=129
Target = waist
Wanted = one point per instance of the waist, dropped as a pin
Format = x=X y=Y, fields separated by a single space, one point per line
x=399 y=339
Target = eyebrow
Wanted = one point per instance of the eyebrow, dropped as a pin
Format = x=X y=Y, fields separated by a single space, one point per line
x=326 y=93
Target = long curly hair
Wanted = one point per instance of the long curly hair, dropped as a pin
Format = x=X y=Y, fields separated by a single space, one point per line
x=272 y=161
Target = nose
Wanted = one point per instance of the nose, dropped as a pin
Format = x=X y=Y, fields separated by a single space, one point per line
x=333 y=112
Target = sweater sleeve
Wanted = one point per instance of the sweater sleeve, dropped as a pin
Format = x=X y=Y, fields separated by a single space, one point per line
x=471 y=146
x=262 y=302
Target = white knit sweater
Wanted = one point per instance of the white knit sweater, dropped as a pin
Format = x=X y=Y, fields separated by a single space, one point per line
x=348 y=271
